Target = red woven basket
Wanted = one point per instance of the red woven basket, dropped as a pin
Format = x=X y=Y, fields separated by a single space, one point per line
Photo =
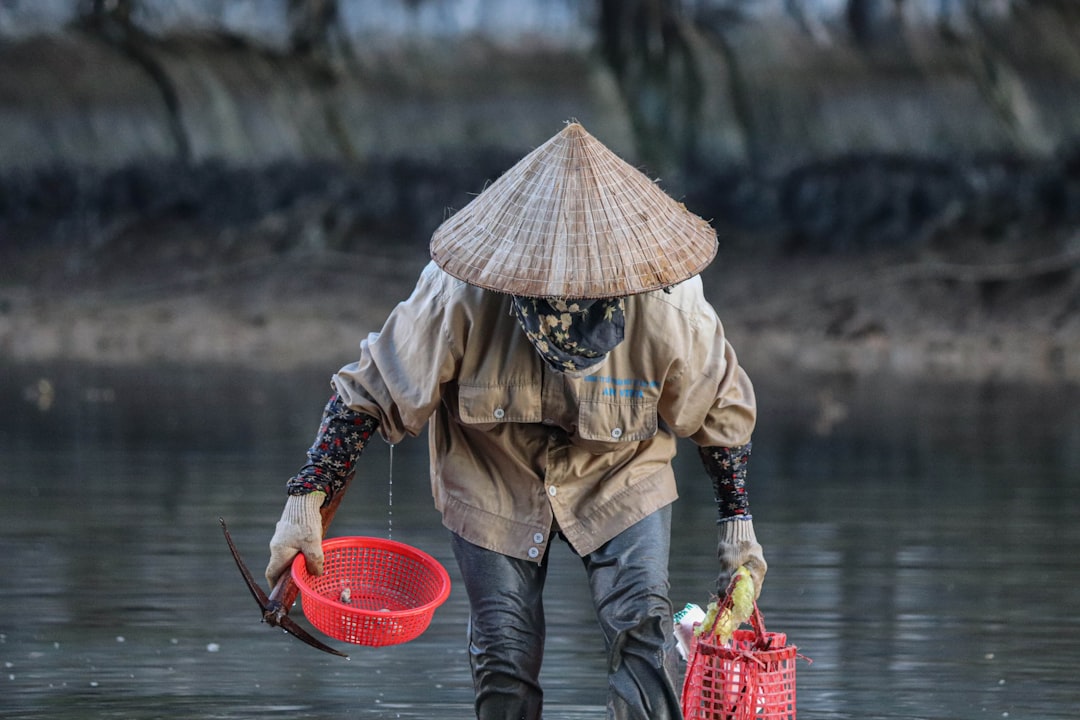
x=372 y=592
x=752 y=679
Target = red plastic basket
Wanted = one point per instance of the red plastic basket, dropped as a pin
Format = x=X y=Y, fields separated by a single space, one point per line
x=752 y=679
x=390 y=590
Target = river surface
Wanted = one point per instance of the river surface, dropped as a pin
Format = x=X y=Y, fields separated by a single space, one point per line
x=923 y=541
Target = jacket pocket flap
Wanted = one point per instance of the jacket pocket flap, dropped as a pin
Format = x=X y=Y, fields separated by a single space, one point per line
x=617 y=421
x=499 y=403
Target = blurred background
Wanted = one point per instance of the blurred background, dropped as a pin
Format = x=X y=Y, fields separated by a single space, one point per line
x=906 y=171
x=206 y=204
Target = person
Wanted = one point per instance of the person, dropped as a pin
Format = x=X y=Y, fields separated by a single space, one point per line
x=556 y=346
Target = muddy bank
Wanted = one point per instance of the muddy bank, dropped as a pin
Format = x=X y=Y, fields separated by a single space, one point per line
x=291 y=265
x=874 y=315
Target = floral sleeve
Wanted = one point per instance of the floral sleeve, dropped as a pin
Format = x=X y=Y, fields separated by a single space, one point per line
x=342 y=436
x=727 y=468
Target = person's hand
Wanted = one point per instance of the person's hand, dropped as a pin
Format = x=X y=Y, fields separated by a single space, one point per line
x=300 y=530
x=737 y=545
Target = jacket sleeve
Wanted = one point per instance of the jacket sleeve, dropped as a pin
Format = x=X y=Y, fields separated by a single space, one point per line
x=708 y=397
x=400 y=372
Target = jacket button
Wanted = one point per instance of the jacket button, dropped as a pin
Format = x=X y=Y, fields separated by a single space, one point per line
x=534 y=553
x=553 y=491
x=616 y=433
x=499 y=413
x=538 y=538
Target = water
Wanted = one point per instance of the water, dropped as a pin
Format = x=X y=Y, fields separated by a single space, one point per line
x=922 y=540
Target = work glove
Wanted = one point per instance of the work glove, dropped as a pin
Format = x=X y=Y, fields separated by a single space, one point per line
x=300 y=530
x=736 y=546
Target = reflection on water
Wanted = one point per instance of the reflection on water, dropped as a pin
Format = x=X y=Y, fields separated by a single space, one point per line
x=922 y=544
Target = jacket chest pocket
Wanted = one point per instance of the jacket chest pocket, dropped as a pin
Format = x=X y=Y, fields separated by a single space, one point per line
x=493 y=404
x=611 y=421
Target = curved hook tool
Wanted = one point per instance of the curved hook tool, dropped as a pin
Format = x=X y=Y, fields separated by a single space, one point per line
x=275 y=607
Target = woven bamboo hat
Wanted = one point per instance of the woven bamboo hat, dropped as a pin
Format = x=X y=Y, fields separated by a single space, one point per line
x=573 y=220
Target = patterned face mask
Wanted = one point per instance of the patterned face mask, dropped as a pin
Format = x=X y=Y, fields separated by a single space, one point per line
x=572 y=335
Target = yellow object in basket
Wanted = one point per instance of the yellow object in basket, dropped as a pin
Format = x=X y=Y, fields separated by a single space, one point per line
x=724 y=621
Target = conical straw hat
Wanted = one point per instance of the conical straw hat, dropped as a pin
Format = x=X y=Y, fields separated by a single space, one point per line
x=573 y=220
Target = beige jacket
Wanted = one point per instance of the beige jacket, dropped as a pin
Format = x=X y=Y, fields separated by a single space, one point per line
x=518 y=449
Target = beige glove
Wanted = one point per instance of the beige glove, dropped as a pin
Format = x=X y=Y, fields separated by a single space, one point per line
x=300 y=530
x=737 y=545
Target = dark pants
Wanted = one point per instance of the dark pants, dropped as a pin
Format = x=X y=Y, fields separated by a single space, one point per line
x=629 y=580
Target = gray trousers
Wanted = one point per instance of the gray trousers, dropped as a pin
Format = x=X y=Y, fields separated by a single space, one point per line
x=628 y=577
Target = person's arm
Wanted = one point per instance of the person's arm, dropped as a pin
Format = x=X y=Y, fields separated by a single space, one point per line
x=331 y=460
x=711 y=400
x=736 y=543
x=393 y=388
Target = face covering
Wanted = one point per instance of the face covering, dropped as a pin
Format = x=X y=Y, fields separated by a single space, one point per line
x=572 y=335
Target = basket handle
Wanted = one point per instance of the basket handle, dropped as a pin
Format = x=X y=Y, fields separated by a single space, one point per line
x=757 y=621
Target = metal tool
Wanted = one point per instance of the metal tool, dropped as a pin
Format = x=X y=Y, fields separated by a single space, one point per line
x=275 y=607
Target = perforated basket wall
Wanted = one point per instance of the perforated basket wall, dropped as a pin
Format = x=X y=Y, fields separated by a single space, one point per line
x=741 y=682
x=392 y=590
